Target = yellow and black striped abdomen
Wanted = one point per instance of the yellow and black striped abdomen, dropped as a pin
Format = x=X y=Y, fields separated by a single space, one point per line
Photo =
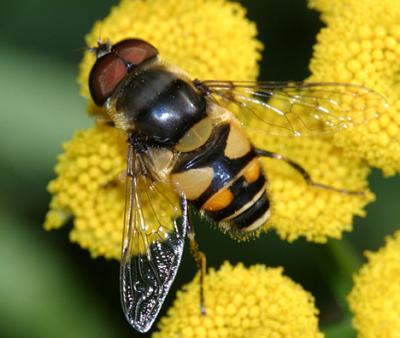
x=223 y=178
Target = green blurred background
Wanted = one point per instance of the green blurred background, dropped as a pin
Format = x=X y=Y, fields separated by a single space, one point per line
x=50 y=287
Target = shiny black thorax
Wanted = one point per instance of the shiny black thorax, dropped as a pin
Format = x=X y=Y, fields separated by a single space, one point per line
x=160 y=105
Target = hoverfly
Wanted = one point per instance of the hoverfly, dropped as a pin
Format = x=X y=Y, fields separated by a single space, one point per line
x=186 y=148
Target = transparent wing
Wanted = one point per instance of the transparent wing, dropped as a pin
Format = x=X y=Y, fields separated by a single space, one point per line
x=152 y=244
x=298 y=108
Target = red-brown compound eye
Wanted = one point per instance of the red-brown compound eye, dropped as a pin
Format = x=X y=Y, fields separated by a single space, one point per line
x=110 y=69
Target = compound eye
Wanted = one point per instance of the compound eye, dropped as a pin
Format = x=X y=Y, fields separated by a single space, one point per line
x=110 y=69
x=135 y=51
x=106 y=74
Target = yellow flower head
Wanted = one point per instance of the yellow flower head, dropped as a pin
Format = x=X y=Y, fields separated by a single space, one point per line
x=242 y=302
x=89 y=187
x=375 y=297
x=193 y=35
x=361 y=44
x=301 y=210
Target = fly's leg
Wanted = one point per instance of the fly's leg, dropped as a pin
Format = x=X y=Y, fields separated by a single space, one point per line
x=201 y=263
x=306 y=176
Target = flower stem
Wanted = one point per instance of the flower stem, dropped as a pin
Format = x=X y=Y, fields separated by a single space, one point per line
x=339 y=330
x=340 y=261
x=347 y=261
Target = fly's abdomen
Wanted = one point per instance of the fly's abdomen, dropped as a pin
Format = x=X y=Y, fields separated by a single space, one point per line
x=222 y=177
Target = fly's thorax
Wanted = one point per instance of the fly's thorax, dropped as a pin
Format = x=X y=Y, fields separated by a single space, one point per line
x=158 y=104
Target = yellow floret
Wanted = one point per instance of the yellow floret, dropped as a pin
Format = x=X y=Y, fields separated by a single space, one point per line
x=242 y=302
x=209 y=39
x=375 y=297
x=298 y=209
x=89 y=187
x=361 y=44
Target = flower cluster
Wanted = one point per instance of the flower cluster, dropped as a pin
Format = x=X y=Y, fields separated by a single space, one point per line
x=242 y=302
x=213 y=39
x=375 y=298
x=301 y=210
x=88 y=186
x=361 y=44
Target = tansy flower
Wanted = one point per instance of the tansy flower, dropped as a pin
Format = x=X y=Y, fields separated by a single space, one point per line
x=88 y=187
x=242 y=302
x=375 y=297
x=361 y=44
x=193 y=35
x=301 y=210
